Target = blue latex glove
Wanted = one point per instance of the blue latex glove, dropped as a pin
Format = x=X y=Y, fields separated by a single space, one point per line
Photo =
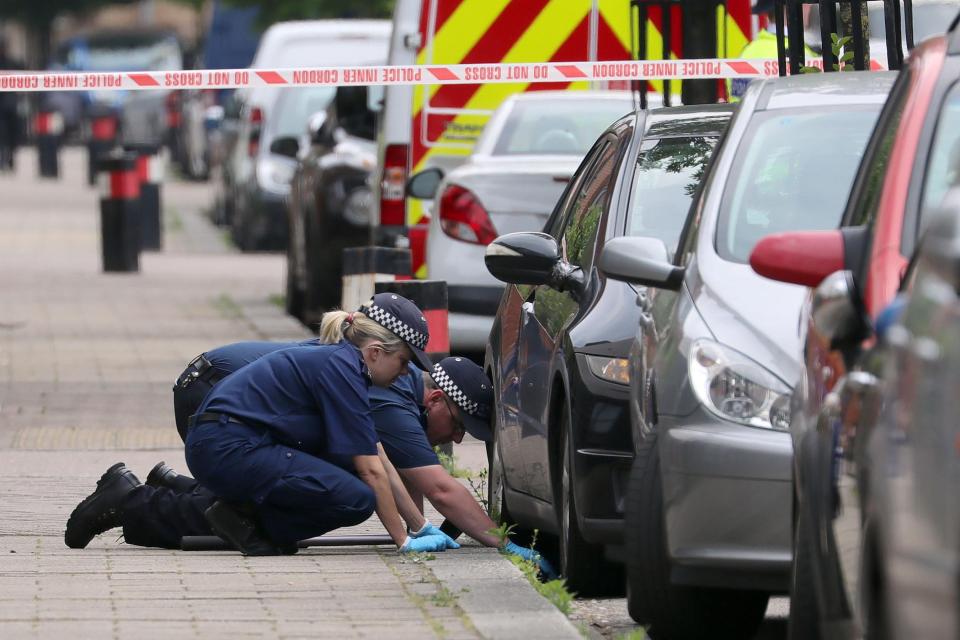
x=430 y=530
x=429 y=542
x=546 y=569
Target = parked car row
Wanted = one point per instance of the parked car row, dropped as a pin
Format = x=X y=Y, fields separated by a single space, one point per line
x=876 y=526
x=255 y=180
x=653 y=416
x=746 y=387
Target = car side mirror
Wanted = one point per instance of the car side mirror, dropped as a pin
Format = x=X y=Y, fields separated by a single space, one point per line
x=836 y=312
x=423 y=185
x=799 y=257
x=285 y=146
x=524 y=257
x=640 y=260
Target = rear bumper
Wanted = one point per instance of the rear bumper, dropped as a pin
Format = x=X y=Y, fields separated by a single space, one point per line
x=469 y=332
x=728 y=500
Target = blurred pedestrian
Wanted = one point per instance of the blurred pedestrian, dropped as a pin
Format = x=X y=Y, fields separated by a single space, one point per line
x=763 y=45
x=9 y=116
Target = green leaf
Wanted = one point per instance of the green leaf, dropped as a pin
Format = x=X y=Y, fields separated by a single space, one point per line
x=809 y=70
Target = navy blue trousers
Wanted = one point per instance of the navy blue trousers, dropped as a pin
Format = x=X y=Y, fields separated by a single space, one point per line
x=294 y=495
x=159 y=517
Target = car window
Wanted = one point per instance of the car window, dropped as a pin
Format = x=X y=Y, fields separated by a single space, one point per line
x=295 y=107
x=794 y=172
x=562 y=127
x=587 y=208
x=943 y=168
x=668 y=171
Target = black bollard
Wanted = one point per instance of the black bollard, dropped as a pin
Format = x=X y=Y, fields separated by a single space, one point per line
x=150 y=174
x=101 y=133
x=48 y=129
x=119 y=214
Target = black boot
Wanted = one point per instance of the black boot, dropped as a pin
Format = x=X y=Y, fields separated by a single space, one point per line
x=101 y=510
x=163 y=476
x=240 y=530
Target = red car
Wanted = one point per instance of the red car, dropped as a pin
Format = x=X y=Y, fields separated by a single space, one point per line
x=839 y=586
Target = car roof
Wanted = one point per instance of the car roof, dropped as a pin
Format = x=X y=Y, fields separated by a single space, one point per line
x=699 y=119
x=825 y=89
x=373 y=28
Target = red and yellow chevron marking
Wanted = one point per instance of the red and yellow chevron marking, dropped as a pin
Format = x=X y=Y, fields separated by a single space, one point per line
x=513 y=31
x=474 y=31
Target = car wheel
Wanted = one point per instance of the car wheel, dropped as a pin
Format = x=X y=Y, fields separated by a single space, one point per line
x=583 y=565
x=804 y=614
x=675 y=612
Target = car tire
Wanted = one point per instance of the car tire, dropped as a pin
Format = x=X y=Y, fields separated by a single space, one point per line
x=804 y=619
x=587 y=571
x=674 y=612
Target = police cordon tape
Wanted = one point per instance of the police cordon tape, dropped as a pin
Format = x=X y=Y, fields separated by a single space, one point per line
x=498 y=73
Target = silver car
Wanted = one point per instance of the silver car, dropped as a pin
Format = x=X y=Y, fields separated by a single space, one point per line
x=708 y=505
x=521 y=164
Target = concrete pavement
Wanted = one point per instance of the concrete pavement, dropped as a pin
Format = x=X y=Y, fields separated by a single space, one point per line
x=86 y=365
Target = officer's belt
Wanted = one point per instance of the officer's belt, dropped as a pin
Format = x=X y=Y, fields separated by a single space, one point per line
x=199 y=369
x=212 y=416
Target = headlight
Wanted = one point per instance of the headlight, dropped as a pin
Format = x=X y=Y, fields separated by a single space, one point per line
x=275 y=175
x=356 y=208
x=610 y=369
x=735 y=388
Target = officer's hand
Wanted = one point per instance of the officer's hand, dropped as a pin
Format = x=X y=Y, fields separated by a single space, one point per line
x=546 y=569
x=429 y=542
x=429 y=529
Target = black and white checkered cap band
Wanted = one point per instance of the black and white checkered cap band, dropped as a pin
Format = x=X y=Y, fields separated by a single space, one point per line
x=402 y=330
x=449 y=387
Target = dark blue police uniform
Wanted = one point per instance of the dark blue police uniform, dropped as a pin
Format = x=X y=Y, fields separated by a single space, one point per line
x=400 y=420
x=209 y=368
x=280 y=434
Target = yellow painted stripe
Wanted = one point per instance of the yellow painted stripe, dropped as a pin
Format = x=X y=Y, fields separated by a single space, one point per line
x=468 y=23
x=616 y=13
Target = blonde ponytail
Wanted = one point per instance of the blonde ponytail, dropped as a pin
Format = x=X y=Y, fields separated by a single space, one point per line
x=358 y=329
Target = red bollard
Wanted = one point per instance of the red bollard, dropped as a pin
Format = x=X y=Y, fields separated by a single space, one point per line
x=119 y=212
x=47 y=130
x=150 y=173
x=101 y=137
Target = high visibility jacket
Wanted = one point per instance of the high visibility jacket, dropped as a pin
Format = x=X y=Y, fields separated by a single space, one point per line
x=763 y=46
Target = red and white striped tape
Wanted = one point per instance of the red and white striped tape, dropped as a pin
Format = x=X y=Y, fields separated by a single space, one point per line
x=711 y=68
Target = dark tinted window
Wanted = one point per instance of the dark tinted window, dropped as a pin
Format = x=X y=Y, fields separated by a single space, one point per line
x=587 y=207
x=793 y=172
x=863 y=207
x=668 y=171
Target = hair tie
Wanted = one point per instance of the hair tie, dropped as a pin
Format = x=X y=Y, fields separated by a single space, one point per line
x=350 y=318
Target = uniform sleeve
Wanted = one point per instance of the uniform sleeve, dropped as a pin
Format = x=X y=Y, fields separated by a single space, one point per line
x=341 y=392
x=402 y=436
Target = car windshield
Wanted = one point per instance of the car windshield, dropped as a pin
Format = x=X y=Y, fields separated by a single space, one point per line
x=295 y=107
x=793 y=172
x=124 y=54
x=667 y=174
x=557 y=127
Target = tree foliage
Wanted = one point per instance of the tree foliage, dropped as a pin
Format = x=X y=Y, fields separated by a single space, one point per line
x=278 y=10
